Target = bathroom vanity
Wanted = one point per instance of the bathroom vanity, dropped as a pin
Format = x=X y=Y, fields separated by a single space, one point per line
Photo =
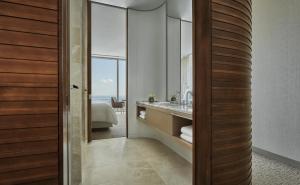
x=166 y=117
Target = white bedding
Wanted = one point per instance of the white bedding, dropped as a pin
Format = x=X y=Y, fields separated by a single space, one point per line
x=103 y=112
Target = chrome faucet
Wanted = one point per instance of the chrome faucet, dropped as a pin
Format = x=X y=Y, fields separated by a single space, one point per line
x=187 y=93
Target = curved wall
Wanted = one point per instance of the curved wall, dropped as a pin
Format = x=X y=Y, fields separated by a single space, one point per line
x=146 y=63
x=222 y=112
x=147 y=35
x=231 y=92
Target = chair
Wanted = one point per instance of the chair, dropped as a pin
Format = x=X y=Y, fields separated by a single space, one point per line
x=118 y=105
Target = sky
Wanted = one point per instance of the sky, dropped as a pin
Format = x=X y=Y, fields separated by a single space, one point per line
x=104 y=77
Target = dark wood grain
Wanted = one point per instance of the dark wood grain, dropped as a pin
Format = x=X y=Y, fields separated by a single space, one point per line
x=26 y=135
x=48 y=4
x=30 y=92
x=53 y=181
x=27 y=78
x=29 y=175
x=222 y=100
x=27 y=12
x=89 y=71
x=28 y=148
x=202 y=67
x=28 y=26
x=28 y=39
x=28 y=107
x=28 y=67
x=63 y=92
x=231 y=94
x=25 y=162
x=28 y=121
x=28 y=53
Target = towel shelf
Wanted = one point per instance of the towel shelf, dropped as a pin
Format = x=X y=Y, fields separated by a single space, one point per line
x=183 y=142
x=166 y=122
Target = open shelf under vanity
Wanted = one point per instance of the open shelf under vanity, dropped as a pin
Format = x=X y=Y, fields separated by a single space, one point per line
x=178 y=123
x=138 y=113
x=167 y=121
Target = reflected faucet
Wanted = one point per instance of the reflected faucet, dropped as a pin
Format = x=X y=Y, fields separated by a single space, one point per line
x=187 y=93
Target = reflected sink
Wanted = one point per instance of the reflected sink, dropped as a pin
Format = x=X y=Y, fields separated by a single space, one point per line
x=166 y=103
x=174 y=106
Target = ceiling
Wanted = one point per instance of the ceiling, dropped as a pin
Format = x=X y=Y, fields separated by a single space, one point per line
x=134 y=4
x=109 y=24
x=182 y=9
x=176 y=8
x=108 y=31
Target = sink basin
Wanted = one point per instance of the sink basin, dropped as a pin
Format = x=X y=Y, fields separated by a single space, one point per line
x=173 y=105
x=166 y=104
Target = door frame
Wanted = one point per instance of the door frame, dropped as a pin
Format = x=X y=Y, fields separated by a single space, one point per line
x=89 y=67
x=202 y=88
x=63 y=91
x=89 y=70
x=202 y=72
x=202 y=95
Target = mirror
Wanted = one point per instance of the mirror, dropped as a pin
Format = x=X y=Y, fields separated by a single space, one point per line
x=179 y=51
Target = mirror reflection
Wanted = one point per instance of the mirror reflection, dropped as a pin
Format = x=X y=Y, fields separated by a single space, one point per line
x=179 y=52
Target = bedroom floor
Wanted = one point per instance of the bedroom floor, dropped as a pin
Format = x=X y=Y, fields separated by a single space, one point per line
x=122 y=161
x=113 y=132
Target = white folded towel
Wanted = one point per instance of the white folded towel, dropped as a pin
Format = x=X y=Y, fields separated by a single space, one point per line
x=186 y=138
x=142 y=113
x=142 y=116
x=188 y=130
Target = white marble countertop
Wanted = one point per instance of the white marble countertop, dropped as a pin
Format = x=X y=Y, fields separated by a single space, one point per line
x=175 y=109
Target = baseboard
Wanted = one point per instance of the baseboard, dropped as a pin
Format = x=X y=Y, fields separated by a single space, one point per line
x=276 y=157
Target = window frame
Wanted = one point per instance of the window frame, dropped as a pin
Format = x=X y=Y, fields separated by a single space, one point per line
x=117 y=60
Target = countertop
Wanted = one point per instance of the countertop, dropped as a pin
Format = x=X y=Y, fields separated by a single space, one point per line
x=174 y=109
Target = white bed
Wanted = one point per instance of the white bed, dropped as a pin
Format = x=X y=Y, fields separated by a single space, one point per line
x=103 y=115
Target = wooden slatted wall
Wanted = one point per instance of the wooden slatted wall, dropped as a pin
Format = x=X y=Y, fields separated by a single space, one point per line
x=29 y=58
x=231 y=93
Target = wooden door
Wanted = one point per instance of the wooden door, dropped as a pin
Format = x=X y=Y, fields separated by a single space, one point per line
x=30 y=92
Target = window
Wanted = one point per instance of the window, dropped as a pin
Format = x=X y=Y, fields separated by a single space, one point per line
x=122 y=80
x=108 y=79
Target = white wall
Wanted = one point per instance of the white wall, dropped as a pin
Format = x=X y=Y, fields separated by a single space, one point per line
x=276 y=77
x=173 y=56
x=108 y=31
x=147 y=71
x=146 y=62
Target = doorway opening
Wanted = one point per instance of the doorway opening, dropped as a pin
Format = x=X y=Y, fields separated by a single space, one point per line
x=107 y=72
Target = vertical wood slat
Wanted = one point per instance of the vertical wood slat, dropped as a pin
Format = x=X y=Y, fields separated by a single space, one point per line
x=202 y=93
x=29 y=93
x=231 y=94
x=222 y=86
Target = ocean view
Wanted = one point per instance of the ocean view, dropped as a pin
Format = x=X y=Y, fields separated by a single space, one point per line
x=105 y=99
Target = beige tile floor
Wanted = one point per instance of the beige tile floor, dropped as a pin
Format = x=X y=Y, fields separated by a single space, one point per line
x=122 y=161
x=115 y=131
